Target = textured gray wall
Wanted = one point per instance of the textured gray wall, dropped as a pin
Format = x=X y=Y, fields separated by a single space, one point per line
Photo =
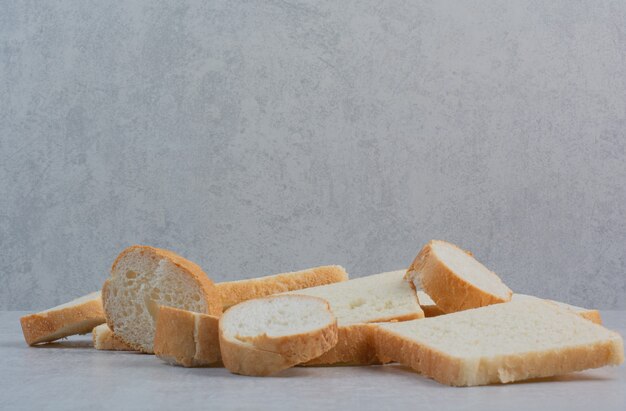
x=258 y=137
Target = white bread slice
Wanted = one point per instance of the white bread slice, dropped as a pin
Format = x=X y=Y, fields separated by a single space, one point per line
x=500 y=343
x=187 y=338
x=142 y=279
x=431 y=309
x=587 y=313
x=454 y=279
x=105 y=339
x=234 y=292
x=78 y=316
x=375 y=298
x=264 y=336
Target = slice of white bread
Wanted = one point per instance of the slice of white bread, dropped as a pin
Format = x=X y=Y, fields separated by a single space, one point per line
x=454 y=279
x=142 y=279
x=375 y=298
x=264 y=336
x=187 y=338
x=78 y=316
x=431 y=309
x=587 y=313
x=234 y=292
x=105 y=339
x=500 y=343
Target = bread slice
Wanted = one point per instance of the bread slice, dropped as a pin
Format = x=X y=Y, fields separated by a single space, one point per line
x=78 y=316
x=431 y=309
x=500 y=343
x=142 y=279
x=234 y=292
x=264 y=336
x=105 y=339
x=454 y=279
x=187 y=338
x=587 y=313
x=375 y=298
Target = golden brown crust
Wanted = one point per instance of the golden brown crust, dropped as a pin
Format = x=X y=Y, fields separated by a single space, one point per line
x=187 y=338
x=105 y=339
x=53 y=325
x=234 y=292
x=591 y=315
x=299 y=348
x=452 y=371
x=243 y=358
x=355 y=346
x=207 y=340
x=432 y=311
x=450 y=292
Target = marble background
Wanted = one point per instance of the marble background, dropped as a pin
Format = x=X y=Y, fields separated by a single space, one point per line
x=259 y=137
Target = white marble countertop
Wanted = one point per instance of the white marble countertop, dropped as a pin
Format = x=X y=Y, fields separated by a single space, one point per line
x=71 y=375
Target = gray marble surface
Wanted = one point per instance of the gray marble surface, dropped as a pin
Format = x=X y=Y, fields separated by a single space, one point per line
x=260 y=137
x=72 y=376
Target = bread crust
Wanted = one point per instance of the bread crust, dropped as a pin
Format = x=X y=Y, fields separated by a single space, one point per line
x=355 y=346
x=450 y=292
x=50 y=326
x=187 y=338
x=105 y=339
x=242 y=358
x=355 y=343
x=234 y=292
x=210 y=293
x=263 y=355
x=591 y=315
x=501 y=369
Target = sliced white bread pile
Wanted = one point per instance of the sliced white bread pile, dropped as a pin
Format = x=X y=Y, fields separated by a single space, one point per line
x=587 y=313
x=454 y=279
x=144 y=278
x=78 y=316
x=105 y=339
x=234 y=292
x=500 y=343
x=187 y=338
x=264 y=336
x=357 y=302
x=176 y=345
